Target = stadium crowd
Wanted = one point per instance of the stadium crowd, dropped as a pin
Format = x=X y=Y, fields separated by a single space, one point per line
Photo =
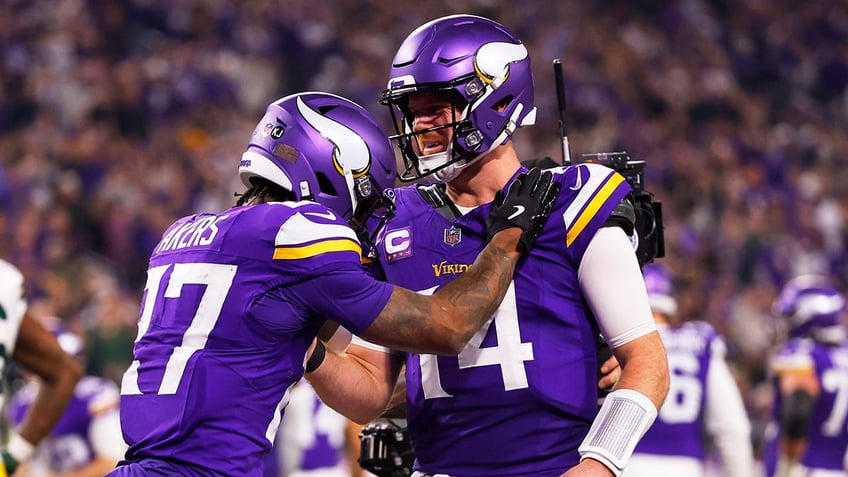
x=117 y=117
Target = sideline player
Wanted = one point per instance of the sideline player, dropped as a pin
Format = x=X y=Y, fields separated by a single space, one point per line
x=26 y=341
x=86 y=441
x=704 y=407
x=810 y=429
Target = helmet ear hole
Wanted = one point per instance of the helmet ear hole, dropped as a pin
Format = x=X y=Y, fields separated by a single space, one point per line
x=325 y=186
x=502 y=104
x=324 y=109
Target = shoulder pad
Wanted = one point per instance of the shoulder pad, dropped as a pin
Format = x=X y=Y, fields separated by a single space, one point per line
x=624 y=215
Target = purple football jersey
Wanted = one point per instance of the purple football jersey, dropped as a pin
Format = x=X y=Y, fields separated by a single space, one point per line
x=524 y=386
x=68 y=447
x=232 y=303
x=827 y=435
x=679 y=427
x=326 y=450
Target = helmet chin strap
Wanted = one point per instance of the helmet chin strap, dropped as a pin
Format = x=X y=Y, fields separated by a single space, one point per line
x=453 y=171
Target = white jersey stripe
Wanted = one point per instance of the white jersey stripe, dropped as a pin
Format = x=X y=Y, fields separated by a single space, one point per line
x=597 y=176
x=300 y=230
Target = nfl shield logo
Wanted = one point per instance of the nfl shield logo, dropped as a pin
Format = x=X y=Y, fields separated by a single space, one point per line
x=453 y=236
x=266 y=131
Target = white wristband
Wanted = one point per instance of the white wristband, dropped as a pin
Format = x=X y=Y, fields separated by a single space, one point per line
x=787 y=467
x=19 y=448
x=622 y=421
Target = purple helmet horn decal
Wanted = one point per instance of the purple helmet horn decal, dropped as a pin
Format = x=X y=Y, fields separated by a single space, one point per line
x=812 y=305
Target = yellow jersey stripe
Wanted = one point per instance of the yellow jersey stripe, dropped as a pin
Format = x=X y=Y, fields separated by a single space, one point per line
x=338 y=245
x=592 y=208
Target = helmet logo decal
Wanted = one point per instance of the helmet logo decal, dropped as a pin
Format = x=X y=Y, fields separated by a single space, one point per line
x=275 y=132
x=815 y=304
x=813 y=308
x=493 y=59
x=351 y=154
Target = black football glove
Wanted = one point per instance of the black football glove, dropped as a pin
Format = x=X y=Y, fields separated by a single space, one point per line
x=527 y=205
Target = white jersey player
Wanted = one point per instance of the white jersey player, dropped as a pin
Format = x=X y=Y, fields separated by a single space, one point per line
x=25 y=340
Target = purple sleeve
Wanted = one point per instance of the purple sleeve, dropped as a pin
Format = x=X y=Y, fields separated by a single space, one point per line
x=344 y=294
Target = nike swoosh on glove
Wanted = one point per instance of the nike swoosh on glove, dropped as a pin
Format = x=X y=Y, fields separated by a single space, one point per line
x=527 y=204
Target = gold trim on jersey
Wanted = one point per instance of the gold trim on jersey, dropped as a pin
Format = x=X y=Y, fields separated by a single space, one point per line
x=592 y=208
x=312 y=250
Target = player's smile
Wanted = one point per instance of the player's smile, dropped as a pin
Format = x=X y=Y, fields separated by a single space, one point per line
x=432 y=143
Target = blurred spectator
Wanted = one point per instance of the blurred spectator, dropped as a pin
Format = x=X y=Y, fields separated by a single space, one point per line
x=109 y=319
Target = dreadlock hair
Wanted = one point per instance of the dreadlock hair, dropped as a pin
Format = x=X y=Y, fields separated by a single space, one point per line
x=263 y=190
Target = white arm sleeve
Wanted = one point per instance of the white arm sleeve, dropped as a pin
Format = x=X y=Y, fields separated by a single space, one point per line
x=725 y=417
x=13 y=304
x=610 y=277
x=340 y=340
x=105 y=435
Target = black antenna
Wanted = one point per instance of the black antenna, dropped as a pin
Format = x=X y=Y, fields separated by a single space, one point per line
x=560 y=90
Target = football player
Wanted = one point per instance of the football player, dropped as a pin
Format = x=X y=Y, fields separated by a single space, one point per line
x=809 y=430
x=234 y=299
x=26 y=341
x=704 y=407
x=520 y=399
x=313 y=440
x=86 y=441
